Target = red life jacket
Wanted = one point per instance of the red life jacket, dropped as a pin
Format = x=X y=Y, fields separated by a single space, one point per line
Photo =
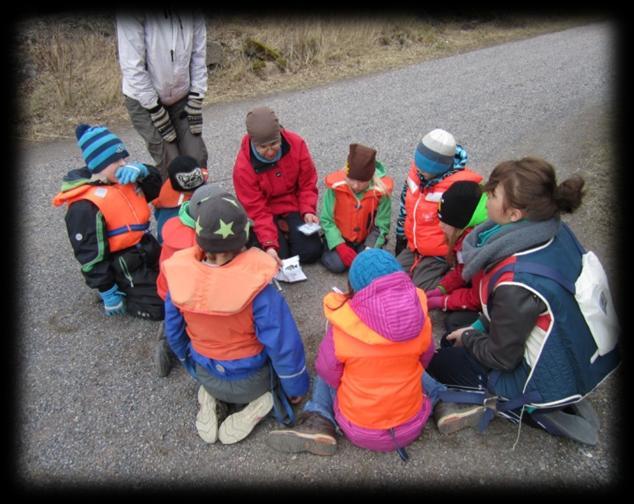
x=365 y=396
x=216 y=302
x=353 y=217
x=422 y=226
x=124 y=208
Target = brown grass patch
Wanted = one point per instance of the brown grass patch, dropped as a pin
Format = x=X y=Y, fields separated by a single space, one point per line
x=76 y=77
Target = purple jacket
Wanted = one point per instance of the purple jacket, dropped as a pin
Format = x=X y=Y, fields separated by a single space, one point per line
x=390 y=307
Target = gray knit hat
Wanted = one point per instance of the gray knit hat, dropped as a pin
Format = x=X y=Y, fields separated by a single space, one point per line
x=201 y=194
x=222 y=224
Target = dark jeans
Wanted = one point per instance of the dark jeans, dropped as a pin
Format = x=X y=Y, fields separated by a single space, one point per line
x=293 y=242
x=452 y=365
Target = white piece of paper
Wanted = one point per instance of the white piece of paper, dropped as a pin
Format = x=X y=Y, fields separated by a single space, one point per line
x=291 y=271
x=309 y=228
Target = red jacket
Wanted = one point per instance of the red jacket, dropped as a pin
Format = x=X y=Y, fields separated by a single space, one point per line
x=461 y=295
x=289 y=185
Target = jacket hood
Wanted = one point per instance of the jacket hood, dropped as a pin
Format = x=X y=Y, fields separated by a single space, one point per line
x=389 y=307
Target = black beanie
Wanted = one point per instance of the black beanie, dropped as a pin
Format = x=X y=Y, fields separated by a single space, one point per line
x=459 y=202
x=185 y=173
x=222 y=224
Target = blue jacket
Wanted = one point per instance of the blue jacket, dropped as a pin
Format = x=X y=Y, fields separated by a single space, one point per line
x=556 y=368
x=275 y=329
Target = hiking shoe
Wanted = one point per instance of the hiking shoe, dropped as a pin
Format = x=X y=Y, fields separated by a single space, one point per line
x=451 y=417
x=239 y=425
x=207 y=418
x=313 y=433
x=163 y=355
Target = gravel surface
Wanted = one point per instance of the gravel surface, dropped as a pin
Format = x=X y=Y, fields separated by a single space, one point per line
x=91 y=411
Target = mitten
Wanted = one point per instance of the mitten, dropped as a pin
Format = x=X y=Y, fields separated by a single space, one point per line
x=401 y=244
x=113 y=301
x=163 y=123
x=131 y=172
x=346 y=254
x=433 y=293
x=437 y=303
x=194 y=109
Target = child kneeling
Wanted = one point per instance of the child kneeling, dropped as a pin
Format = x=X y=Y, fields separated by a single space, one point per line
x=229 y=327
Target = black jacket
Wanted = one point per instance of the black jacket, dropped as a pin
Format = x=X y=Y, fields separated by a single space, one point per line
x=84 y=219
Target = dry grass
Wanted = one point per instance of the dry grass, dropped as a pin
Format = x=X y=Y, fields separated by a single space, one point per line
x=75 y=76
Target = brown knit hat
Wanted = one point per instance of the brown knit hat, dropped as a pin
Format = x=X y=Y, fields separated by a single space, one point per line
x=262 y=125
x=361 y=162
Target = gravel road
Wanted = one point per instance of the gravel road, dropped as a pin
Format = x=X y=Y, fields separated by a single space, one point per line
x=91 y=413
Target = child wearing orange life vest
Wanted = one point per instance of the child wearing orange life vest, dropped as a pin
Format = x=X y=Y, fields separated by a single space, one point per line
x=242 y=347
x=369 y=365
x=462 y=207
x=184 y=176
x=108 y=220
x=178 y=233
x=356 y=208
x=420 y=243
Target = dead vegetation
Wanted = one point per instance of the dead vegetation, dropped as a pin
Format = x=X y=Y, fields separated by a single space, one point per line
x=69 y=71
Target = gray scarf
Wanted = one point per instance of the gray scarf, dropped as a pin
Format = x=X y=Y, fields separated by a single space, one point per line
x=510 y=239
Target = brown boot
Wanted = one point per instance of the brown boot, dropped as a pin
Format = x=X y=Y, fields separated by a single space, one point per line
x=312 y=433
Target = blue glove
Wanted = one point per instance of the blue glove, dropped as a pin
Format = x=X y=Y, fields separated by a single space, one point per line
x=113 y=301
x=131 y=172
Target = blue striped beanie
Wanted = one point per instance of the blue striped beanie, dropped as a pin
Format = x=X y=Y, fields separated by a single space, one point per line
x=435 y=152
x=99 y=146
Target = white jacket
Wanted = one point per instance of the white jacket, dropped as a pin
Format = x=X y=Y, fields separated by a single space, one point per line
x=162 y=55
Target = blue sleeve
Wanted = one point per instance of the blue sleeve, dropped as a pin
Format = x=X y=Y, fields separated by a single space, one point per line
x=175 y=334
x=275 y=328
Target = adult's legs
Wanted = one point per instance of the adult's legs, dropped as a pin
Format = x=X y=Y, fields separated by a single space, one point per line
x=307 y=247
x=162 y=152
x=188 y=144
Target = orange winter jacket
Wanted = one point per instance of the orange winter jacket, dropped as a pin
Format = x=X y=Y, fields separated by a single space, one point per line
x=381 y=384
x=422 y=227
x=124 y=208
x=354 y=218
x=216 y=302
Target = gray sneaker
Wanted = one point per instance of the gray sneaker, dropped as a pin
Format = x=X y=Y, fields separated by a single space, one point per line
x=451 y=417
x=313 y=433
x=207 y=418
x=239 y=425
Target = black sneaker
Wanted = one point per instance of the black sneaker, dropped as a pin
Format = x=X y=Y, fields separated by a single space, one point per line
x=451 y=417
x=313 y=433
x=162 y=357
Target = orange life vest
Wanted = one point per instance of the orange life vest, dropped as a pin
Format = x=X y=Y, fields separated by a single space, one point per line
x=170 y=197
x=381 y=384
x=124 y=208
x=216 y=302
x=422 y=226
x=354 y=217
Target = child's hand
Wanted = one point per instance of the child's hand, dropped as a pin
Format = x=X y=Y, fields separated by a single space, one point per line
x=346 y=254
x=437 y=303
x=311 y=217
x=130 y=173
